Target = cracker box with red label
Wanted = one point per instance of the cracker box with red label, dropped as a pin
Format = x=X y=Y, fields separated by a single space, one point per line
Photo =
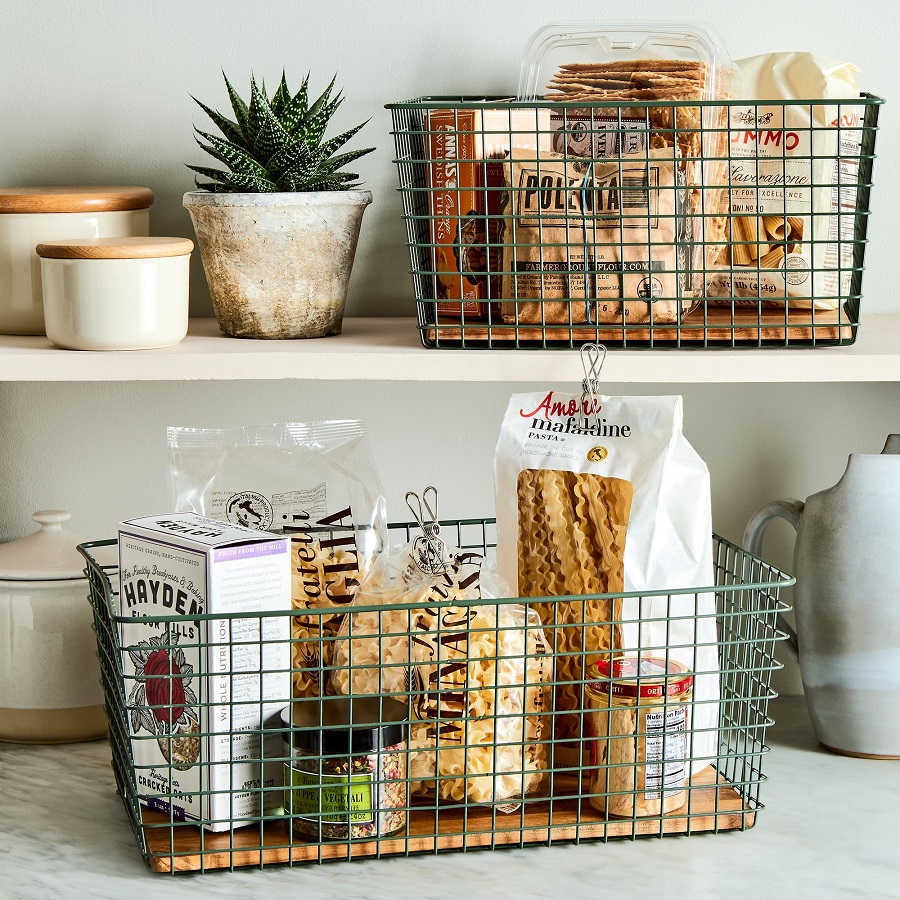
x=200 y=690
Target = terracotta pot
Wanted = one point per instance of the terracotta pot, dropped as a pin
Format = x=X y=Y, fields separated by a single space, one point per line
x=278 y=265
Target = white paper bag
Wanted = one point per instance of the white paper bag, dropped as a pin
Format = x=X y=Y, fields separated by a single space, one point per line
x=636 y=442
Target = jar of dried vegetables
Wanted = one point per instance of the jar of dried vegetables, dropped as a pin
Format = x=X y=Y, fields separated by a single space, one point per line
x=345 y=767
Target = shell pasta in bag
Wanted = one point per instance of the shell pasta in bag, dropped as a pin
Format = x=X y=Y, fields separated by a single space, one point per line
x=474 y=674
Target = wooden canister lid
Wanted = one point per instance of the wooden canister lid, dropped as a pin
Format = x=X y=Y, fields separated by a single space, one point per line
x=116 y=248
x=73 y=199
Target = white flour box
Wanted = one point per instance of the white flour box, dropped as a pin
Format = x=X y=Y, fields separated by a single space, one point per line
x=200 y=690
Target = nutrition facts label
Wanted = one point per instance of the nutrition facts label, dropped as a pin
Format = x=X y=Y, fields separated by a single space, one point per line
x=665 y=749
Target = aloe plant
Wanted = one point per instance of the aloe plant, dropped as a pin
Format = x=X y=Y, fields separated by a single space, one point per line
x=277 y=144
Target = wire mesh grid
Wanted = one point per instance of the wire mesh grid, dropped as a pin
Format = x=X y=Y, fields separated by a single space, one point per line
x=638 y=224
x=483 y=760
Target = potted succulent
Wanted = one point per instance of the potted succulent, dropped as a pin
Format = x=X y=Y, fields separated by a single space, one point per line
x=278 y=228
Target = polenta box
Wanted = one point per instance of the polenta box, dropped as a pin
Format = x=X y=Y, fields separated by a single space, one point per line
x=199 y=690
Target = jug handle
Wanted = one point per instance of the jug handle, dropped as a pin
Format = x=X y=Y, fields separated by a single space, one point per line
x=791 y=511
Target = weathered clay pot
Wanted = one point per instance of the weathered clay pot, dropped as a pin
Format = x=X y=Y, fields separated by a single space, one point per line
x=278 y=265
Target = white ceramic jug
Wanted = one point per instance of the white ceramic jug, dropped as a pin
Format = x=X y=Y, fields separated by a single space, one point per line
x=847 y=603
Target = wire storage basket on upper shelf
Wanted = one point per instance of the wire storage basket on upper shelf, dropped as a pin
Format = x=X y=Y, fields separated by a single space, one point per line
x=481 y=761
x=545 y=224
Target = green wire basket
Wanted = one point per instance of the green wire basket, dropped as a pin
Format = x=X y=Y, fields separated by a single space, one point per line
x=634 y=247
x=723 y=793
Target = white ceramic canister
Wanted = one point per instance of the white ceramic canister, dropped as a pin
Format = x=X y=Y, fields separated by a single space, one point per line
x=29 y=215
x=116 y=293
x=49 y=676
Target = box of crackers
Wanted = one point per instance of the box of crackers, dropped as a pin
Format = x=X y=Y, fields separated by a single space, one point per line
x=465 y=150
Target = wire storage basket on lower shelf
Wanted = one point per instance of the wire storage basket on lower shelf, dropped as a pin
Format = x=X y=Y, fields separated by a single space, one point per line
x=637 y=224
x=473 y=741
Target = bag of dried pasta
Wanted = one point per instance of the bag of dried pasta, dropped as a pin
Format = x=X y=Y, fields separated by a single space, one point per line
x=601 y=495
x=474 y=673
x=312 y=480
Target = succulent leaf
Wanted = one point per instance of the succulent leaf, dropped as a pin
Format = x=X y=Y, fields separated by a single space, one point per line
x=281 y=97
x=295 y=111
x=271 y=137
x=241 y=112
x=233 y=156
x=230 y=129
x=251 y=184
x=336 y=143
x=215 y=174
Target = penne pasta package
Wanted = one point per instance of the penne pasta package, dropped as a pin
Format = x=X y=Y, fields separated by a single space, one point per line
x=604 y=495
x=311 y=480
x=474 y=674
x=794 y=178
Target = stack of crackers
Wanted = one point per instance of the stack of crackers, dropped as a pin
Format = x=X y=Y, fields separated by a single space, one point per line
x=704 y=153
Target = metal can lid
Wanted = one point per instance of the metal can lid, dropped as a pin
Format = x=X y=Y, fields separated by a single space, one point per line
x=640 y=677
x=335 y=725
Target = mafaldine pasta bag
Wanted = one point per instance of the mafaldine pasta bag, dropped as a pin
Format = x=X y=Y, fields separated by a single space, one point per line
x=311 y=480
x=615 y=502
x=475 y=674
x=794 y=177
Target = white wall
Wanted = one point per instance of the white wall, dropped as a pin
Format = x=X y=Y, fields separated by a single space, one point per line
x=97 y=92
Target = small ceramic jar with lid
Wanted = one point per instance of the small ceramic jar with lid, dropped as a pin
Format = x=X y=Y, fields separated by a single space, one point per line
x=116 y=293
x=29 y=215
x=49 y=676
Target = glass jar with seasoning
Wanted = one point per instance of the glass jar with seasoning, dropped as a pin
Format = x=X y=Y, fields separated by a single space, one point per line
x=639 y=722
x=345 y=768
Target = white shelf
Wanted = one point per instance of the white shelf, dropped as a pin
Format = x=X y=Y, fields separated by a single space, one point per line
x=388 y=349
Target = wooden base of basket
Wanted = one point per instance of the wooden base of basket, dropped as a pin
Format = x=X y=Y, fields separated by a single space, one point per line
x=714 y=325
x=714 y=806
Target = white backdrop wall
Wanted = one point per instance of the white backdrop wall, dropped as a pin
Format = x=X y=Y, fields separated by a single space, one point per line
x=96 y=91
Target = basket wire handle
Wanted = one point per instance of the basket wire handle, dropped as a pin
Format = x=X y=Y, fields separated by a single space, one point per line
x=425 y=512
x=590 y=273
x=593 y=356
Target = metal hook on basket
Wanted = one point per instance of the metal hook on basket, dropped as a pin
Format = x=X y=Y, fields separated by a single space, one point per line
x=593 y=356
x=590 y=275
x=425 y=511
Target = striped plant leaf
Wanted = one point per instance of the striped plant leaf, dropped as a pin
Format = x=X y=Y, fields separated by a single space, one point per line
x=281 y=97
x=239 y=182
x=332 y=164
x=241 y=112
x=295 y=156
x=234 y=157
x=295 y=111
x=255 y=114
x=271 y=137
x=336 y=143
x=317 y=118
x=230 y=129
x=215 y=174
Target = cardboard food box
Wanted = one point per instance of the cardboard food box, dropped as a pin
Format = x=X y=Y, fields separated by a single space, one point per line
x=463 y=196
x=200 y=690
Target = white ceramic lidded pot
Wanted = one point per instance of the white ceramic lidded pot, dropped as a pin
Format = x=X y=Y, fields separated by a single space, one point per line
x=116 y=293
x=49 y=675
x=29 y=215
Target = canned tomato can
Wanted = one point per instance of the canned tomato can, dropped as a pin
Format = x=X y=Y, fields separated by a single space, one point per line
x=639 y=723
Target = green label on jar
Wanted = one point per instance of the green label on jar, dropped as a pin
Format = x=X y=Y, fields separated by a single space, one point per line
x=329 y=798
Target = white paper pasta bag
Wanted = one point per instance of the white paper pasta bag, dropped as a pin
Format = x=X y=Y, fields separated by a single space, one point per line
x=794 y=176
x=474 y=674
x=621 y=506
x=313 y=480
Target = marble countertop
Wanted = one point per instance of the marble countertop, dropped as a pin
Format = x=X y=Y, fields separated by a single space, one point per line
x=830 y=829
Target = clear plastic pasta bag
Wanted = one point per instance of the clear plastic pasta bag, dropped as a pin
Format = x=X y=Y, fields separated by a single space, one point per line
x=313 y=480
x=474 y=674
